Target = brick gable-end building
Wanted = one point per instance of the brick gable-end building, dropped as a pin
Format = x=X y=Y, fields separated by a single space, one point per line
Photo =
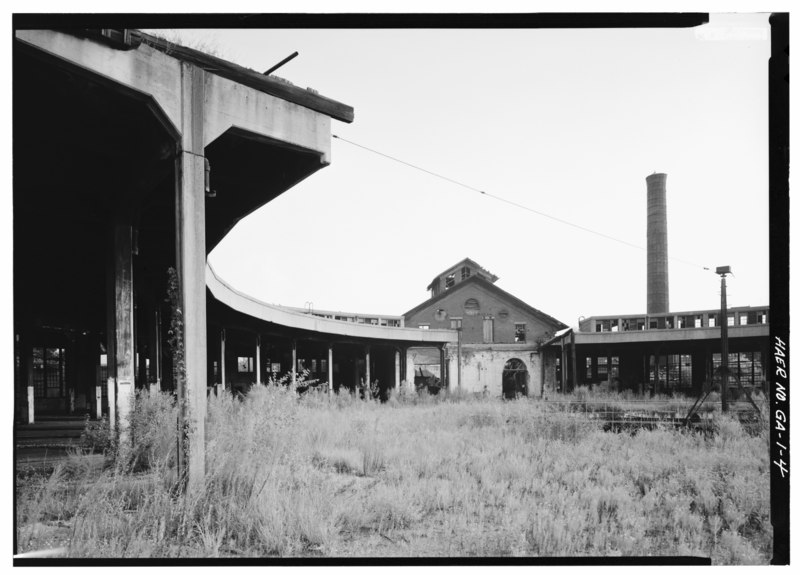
x=500 y=334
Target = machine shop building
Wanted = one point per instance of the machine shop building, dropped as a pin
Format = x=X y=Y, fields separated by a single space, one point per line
x=498 y=352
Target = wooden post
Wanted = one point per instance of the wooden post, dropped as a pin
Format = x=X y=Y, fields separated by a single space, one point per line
x=190 y=215
x=258 y=359
x=98 y=397
x=124 y=317
x=330 y=367
x=397 y=369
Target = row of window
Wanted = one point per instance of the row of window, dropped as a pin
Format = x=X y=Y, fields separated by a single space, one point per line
x=362 y=320
x=246 y=365
x=679 y=322
x=675 y=370
x=520 y=329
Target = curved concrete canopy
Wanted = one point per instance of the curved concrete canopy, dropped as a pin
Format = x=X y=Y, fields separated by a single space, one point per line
x=246 y=304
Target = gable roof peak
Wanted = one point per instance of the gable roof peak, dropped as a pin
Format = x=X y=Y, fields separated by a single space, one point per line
x=476 y=267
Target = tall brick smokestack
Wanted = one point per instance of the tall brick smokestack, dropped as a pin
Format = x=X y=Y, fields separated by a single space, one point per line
x=657 y=263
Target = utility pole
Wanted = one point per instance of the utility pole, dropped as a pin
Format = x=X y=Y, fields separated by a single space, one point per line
x=723 y=325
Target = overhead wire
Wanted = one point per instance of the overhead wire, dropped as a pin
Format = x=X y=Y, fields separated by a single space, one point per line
x=510 y=202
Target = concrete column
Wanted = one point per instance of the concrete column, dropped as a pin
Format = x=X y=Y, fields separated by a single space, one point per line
x=125 y=347
x=403 y=364
x=31 y=418
x=112 y=404
x=397 y=369
x=294 y=363
x=410 y=369
x=458 y=357
x=190 y=215
x=152 y=348
x=574 y=362
x=111 y=330
x=98 y=406
x=368 y=376
x=656 y=377
x=330 y=368
x=542 y=361
x=157 y=352
x=442 y=369
x=258 y=359
x=31 y=400
x=222 y=358
x=140 y=325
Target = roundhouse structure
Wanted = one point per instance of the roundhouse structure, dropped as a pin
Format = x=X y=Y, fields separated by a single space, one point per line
x=133 y=155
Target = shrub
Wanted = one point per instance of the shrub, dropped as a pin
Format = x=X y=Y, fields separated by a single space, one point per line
x=152 y=427
x=97 y=437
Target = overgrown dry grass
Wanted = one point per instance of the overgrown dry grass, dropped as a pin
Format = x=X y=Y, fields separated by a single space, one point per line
x=416 y=477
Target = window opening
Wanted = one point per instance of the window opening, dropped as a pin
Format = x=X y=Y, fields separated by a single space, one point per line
x=519 y=332
x=244 y=364
x=488 y=330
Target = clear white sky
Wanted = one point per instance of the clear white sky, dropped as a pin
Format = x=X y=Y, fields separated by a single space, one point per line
x=567 y=122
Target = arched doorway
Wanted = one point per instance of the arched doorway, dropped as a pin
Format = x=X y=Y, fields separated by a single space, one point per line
x=515 y=379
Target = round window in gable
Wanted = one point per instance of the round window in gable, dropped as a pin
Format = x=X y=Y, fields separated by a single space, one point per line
x=471 y=306
x=440 y=315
